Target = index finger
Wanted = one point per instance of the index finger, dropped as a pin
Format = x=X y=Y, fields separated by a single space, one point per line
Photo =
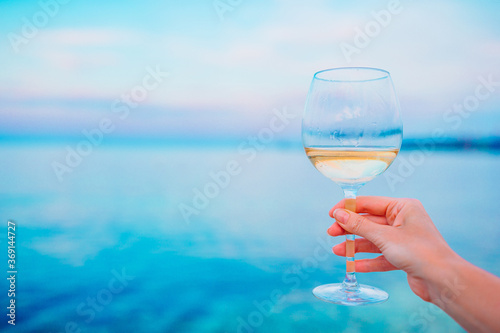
x=368 y=204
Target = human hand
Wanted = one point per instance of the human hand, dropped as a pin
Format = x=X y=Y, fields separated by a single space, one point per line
x=402 y=231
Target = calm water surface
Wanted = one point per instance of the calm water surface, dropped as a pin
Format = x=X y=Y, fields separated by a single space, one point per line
x=107 y=249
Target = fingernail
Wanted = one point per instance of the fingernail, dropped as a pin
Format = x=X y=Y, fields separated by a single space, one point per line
x=341 y=215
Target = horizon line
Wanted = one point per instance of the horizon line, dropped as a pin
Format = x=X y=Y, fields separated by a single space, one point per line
x=412 y=143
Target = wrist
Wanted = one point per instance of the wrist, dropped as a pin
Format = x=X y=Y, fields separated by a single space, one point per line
x=445 y=279
x=467 y=293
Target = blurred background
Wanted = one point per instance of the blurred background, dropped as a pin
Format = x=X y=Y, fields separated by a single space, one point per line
x=151 y=158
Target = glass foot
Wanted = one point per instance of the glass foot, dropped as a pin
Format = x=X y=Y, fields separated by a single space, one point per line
x=337 y=294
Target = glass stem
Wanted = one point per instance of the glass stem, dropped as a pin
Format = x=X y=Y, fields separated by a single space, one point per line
x=350 y=283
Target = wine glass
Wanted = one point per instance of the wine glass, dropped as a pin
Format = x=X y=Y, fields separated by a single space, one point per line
x=351 y=131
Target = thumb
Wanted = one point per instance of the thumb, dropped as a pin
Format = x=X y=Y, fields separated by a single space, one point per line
x=359 y=225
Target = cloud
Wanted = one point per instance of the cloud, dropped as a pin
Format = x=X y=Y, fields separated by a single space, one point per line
x=77 y=49
x=89 y=37
x=264 y=56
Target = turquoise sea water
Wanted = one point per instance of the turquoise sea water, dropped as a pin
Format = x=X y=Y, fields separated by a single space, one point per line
x=107 y=249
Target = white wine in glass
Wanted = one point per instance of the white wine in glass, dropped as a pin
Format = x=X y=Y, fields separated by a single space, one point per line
x=352 y=132
x=351 y=166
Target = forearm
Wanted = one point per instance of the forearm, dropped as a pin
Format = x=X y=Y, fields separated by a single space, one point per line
x=468 y=294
